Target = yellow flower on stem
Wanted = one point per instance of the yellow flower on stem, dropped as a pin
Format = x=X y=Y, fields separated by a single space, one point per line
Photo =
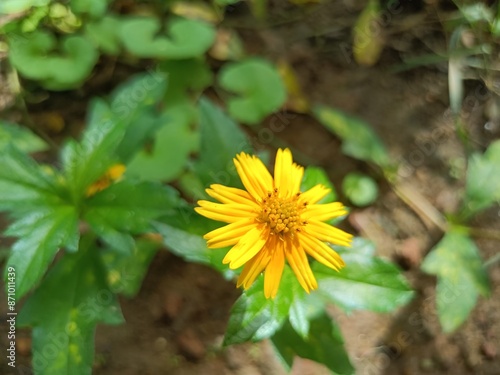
x=272 y=221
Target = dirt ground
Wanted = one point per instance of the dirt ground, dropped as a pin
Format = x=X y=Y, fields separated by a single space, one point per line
x=176 y=323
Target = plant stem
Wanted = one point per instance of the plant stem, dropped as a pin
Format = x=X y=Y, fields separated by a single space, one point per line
x=484 y=233
x=422 y=207
x=495 y=258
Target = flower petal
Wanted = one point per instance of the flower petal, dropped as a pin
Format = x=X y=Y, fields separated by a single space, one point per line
x=328 y=233
x=323 y=212
x=283 y=172
x=226 y=194
x=274 y=270
x=296 y=179
x=321 y=252
x=254 y=267
x=229 y=234
x=254 y=175
x=297 y=259
x=247 y=247
x=227 y=213
x=314 y=194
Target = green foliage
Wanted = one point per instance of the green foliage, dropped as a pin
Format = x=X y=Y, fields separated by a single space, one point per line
x=104 y=33
x=183 y=235
x=221 y=140
x=324 y=344
x=86 y=161
x=317 y=176
x=127 y=208
x=15 y=6
x=20 y=138
x=260 y=88
x=57 y=71
x=483 y=180
x=67 y=323
x=125 y=272
x=455 y=260
x=360 y=189
x=185 y=38
x=367 y=35
x=365 y=283
x=254 y=318
x=359 y=140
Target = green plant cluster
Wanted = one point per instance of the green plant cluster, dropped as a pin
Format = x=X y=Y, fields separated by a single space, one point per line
x=462 y=274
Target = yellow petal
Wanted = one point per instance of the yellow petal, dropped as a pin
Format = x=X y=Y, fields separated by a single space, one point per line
x=328 y=233
x=296 y=178
x=297 y=259
x=274 y=270
x=226 y=194
x=313 y=195
x=254 y=175
x=229 y=234
x=228 y=213
x=320 y=251
x=254 y=267
x=283 y=172
x=323 y=212
x=247 y=247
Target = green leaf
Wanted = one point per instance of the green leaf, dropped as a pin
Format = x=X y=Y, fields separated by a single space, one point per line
x=483 y=180
x=254 y=318
x=64 y=311
x=367 y=35
x=324 y=345
x=41 y=234
x=221 y=139
x=260 y=88
x=187 y=38
x=94 y=8
x=359 y=140
x=183 y=236
x=305 y=307
x=168 y=158
x=127 y=208
x=360 y=189
x=18 y=6
x=365 y=283
x=455 y=260
x=104 y=33
x=85 y=162
x=138 y=103
x=24 y=186
x=317 y=176
x=19 y=137
x=55 y=70
x=126 y=272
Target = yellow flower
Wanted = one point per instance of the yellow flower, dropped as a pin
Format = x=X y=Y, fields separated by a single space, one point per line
x=272 y=221
x=113 y=174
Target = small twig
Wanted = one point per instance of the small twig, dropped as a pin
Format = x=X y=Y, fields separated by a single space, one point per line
x=430 y=216
x=484 y=233
x=495 y=258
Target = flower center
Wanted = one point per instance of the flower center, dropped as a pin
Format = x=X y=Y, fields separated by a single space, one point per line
x=282 y=215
